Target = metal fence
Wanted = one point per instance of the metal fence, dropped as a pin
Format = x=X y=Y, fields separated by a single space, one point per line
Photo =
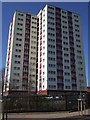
x=34 y=103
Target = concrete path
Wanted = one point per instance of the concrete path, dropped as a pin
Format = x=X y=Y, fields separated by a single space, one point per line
x=45 y=115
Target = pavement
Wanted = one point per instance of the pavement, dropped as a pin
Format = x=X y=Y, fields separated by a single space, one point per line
x=49 y=116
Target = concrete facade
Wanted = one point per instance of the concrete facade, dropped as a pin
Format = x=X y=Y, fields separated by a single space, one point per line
x=45 y=52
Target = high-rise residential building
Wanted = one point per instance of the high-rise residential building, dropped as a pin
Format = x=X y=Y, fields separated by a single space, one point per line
x=20 y=73
x=61 y=65
x=45 y=53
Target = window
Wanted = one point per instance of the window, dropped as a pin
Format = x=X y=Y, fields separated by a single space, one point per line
x=51 y=58
x=17 y=62
x=77 y=35
x=51 y=34
x=76 y=30
x=66 y=61
x=34 y=18
x=64 y=37
x=51 y=46
x=79 y=46
x=34 y=27
x=68 y=87
x=51 y=72
x=79 y=57
x=19 y=29
x=33 y=37
x=67 y=73
x=51 y=12
x=51 y=40
x=16 y=74
x=20 y=19
x=16 y=68
x=51 y=18
x=76 y=25
x=65 y=22
x=51 y=65
x=20 y=24
x=65 y=43
x=51 y=52
x=19 y=34
x=66 y=49
x=18 y=50
x=20 y=14
x=51 y=23
x=18 y=39
x=18 y=45
x=76 y=16
x=78 y=51
x=64 y=26
x=67 y=80
x=49 y=28
x=65 y=54
x=51 y=8
x=64 y=12
x=65 y=32
x=77 y=40
x=34 y=23
x=17 y=56
x=66 y=67
x=79 y=62
x=64 y=17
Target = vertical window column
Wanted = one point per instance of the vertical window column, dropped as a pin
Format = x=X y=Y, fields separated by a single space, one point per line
x=59 y=57
x=40 y=52
x=72 y=54
x=26 y=52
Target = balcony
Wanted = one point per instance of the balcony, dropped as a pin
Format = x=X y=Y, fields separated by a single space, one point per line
x=59 y=51
x=59 y=64
x=40 y=42
x=58 y=29
x=60 y=84
x=41 y=22
x=74 y=85
x=27 y=24
x=59 y=46
x=58 y=24
x=40 y=84
x=26 y=55
x=26 y=49
x=40 y=71
x=25 y=78
x=73 y=72
x=40 y=37
x=23 y=84
x=26 y=44
x=59 y=41
x=60 y=71
x=27 y=39
x=72 y=54
x=40 y=59
x=26 y=61
x=40 y=53
x=58 y=10
x=40 y=17
x=40 y=48
x=58 y=34
x=41 y=32
x=40 y=77
x=74 y=78
x=25 y=73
